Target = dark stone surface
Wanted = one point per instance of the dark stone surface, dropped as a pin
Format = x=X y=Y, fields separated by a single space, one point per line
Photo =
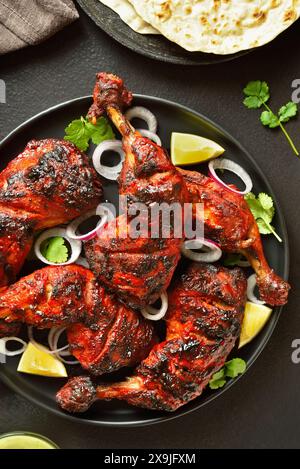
x=261 y=410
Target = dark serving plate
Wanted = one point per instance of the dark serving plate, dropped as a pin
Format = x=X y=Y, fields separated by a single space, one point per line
x=171 y=117
x=151 y=45
x=157 y=46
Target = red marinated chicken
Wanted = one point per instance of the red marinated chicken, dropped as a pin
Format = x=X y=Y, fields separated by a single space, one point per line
x=103 y=334
x=229 y=221
x=138 y=270
x=50 y=183
x=206 y=306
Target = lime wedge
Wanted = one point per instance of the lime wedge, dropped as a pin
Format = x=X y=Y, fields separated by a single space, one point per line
x=255 y=318
x=36 y=361
x=187 y=149
x=19 y=441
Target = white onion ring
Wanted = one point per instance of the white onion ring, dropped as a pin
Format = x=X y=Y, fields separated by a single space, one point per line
x=251 y=284
x=67 y=362
x=51 y=334
x=144 y=114
x=76 y=246
x=152 y=136
x=108 y=172
x=72 y=227
x=53 y=339
x=154 y=314
x=213 y=255
x=41 y=347
x=235 y=168
x=8 y=353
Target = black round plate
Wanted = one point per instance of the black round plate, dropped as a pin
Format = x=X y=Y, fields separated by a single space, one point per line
x=171 y=117
x=151 y=45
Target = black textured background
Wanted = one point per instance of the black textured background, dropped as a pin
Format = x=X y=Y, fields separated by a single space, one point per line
x=262 y=409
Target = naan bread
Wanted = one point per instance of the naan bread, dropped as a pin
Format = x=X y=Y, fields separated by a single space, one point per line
x=219 y=26
x=128 y=14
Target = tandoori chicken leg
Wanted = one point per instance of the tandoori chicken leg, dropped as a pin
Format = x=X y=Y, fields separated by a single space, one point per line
x=136 y=269
x=103 y=334
x=206 y=306
x=50 y=183
x=229 y=222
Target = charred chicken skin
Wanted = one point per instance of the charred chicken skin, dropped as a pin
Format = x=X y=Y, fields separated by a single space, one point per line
x=138 y=270
x=206 y=306
x=50 y=183
x=229 y=221
x=103 y=334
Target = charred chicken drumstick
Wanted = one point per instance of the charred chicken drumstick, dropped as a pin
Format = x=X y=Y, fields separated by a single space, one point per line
x=50 y=183
x=103 y=334
x=206 y=307
x=229 y=221
x=138 y=270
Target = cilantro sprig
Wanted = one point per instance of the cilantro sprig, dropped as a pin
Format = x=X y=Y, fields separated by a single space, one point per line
x=231 y=369
x=257 y=95
x=55 y=250
x=81 y=131
x=262 y=208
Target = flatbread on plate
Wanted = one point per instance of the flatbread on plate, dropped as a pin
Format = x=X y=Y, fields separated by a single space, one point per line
x=128 y=14
x=219 y=26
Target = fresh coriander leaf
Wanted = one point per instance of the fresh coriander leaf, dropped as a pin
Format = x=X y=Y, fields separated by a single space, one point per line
x=258 y=89
x=218 y=380
x=255 y=207
x=55 y=250
x=101 y=131
x=263 y=227
x=288 y=111
x=252 y=102
x=257 y=94
x=231 y=369
x=235 y=367
x=266 y=201
x=81 y=131
x=78 y=133
x=269 y=119
x=263 y=210
x=232 y=259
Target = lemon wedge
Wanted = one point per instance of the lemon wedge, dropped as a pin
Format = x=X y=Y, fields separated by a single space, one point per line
x=192 y=149
x=255 y=318
x=38 y=361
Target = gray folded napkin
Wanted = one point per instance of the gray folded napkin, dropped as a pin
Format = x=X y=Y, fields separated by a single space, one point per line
x=28 y=22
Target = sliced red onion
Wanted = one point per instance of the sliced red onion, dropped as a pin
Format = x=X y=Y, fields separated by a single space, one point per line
x=251 y=284
x=9 y=353
x=152 y=136
x=76 y=246
x=139 y=112
x=154 y=314
x=213 y=255
x=102 y=212
x=223 y=163
x=109 y=172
